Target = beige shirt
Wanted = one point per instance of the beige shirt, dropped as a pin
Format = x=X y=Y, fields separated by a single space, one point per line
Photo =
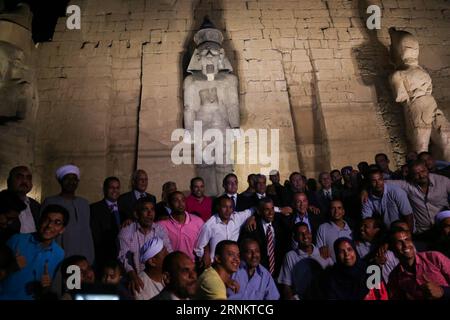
x=151 y=287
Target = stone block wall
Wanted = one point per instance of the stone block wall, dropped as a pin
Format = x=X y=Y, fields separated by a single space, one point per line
x=111 y=93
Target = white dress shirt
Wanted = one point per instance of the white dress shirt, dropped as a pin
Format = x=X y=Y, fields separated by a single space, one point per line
x=215 y=230
x=27 y=224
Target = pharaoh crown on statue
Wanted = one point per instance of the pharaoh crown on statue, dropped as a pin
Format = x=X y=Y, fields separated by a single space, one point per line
x=208 y=33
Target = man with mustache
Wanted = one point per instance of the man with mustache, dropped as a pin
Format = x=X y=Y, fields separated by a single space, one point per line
x=133 y=237
x=213 y=281
x=179 y=276
x=20 y=181
x=255 y=281
x=419 y=275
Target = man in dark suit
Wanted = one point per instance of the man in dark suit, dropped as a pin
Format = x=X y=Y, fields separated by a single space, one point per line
x=260 y=191
x=105 y=223
x=162 y=208
x=269 y=225
x=139 y=185
x=301 y=213
x=297 y=183
x=326 y=193
x=180 y=277
x=20 y=181
x=276 y=188
x=230 y=185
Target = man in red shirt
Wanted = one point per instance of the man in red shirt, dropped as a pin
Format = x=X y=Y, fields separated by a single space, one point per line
x=197 y=203
x=419 y=275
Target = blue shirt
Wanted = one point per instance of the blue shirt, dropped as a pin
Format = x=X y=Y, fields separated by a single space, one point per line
x=14 y=287
x=390 y=206
x=259 y=287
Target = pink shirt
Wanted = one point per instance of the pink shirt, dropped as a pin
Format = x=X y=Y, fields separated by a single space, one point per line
x=201 y=209
x=429 y=264
x=183 y=237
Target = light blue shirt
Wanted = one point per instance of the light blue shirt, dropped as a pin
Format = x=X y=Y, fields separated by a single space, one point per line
x=390 y=206
x=328 y=233
x=14 y=287
x=298 y=274
x=259 y=287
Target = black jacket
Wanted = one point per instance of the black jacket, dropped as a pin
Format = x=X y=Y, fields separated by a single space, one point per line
x=127 y=201
x=104 y=230
x=282 y=244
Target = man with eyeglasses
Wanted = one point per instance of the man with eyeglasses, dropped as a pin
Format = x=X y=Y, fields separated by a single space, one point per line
x=38 y=257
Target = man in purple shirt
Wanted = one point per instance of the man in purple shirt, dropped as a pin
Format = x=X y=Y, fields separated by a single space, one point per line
x=419 y=275
x=254 y=280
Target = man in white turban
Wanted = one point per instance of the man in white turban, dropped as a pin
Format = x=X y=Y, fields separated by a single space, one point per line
x=67 y=169
x=77 y=239
x=152 y=255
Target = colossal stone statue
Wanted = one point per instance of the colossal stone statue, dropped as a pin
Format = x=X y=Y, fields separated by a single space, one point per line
x=17 y=90
x=211 y=98
x=412 y=87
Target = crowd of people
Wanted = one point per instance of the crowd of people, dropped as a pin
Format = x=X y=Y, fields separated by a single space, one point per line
x=354 y=234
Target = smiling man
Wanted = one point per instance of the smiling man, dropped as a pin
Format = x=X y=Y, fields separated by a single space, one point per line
x=224 y=225
x=213 y=281
x=38 y=257
x=301 y=265
x=255 y=281
x=419 y=275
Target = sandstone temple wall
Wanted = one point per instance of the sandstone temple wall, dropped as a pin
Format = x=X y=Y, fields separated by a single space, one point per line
x=111 y=93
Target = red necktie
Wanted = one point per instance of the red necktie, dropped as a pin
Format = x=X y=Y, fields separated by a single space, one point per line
x=270 y=249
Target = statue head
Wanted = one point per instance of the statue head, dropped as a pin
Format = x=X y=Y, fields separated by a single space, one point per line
x=15 y=81
x=16 y=74
x=209 y=56
x=404 y=48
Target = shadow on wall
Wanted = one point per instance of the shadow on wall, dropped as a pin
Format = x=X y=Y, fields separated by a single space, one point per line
x=373 y=61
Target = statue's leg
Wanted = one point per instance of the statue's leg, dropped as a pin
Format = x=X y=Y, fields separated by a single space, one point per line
x=418 y=119
x=441 y=135
x=421 y=139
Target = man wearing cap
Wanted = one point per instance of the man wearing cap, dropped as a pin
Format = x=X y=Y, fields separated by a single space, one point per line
x=77 y=238
x=153 y=253
x=139 y=181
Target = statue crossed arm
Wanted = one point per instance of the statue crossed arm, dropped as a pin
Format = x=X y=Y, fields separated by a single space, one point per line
x=412 y=86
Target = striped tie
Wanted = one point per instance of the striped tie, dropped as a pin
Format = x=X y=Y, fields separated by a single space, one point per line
x=270 y=249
